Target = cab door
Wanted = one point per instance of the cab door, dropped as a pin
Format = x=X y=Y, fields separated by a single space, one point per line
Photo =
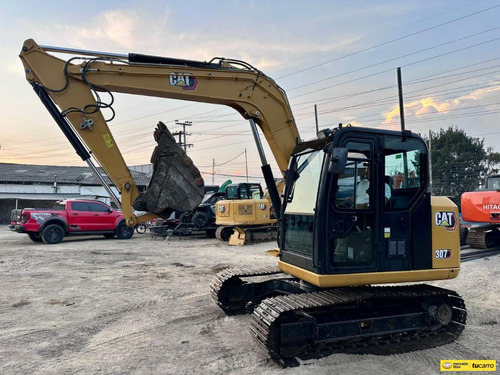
x=406 y=229
x=80 y=217
x=103 y=218
x=354 y=210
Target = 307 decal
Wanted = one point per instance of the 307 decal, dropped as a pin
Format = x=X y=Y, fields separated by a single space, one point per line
x=443 y=254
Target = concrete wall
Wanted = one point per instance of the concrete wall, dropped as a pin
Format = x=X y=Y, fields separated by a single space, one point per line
x=39 y=189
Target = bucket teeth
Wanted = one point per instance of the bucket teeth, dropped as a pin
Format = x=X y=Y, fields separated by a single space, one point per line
x=176 y=184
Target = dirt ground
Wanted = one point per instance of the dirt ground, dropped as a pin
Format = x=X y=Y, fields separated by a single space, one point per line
x=142 y=306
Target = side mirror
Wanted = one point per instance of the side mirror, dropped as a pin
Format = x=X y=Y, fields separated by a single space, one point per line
x=338 y=160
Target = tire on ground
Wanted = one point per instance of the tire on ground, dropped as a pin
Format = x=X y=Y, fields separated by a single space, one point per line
x=200 y=220
x=52 y=234
x=124 y=232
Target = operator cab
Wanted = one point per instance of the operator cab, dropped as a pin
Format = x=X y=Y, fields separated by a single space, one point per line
x=493 y=182
x=365 y=211
x=244 y=190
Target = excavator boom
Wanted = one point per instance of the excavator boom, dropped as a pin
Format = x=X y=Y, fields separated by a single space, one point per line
x=76 y=90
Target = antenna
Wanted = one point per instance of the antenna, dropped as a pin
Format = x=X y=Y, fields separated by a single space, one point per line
x=401 y=105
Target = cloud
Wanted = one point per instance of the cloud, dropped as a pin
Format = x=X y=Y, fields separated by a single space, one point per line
x=430 y=105
x=482 y=93
x=116 y=26
x=161 y=32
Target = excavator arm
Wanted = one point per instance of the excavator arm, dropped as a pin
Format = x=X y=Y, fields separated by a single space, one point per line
x=75 y=94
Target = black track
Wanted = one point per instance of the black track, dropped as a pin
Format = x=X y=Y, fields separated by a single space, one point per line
x=344 y=302
x=307 y=317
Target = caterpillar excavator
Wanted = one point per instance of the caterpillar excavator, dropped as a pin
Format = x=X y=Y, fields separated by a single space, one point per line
x=344 y=227
x=245 y=215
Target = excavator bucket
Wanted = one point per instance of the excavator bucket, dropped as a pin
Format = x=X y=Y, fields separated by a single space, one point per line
x=176 y=184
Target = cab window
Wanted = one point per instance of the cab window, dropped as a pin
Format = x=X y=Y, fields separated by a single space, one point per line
x=80 y=206
x=96 y=207
x=353 y=189
x=232 y=192
x=405 y=168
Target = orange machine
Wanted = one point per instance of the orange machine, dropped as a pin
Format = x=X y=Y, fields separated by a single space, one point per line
x=483 y=207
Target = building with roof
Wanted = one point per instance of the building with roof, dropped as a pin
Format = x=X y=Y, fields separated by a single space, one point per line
x=27 y=185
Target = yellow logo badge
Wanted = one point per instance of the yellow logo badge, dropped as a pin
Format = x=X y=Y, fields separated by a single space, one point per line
x=468 y=365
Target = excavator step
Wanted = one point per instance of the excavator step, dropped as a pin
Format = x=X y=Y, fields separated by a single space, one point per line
x=378 y=320
x=176 y=183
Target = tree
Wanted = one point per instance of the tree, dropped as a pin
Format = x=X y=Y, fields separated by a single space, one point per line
x=492 y=161
x=459 y=162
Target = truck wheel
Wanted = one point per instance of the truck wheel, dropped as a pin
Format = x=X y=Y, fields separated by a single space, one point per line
x=35 y=237
x=186 y=217
x=52 y=234
x=124 y=232
x=200 y=220
x=141 y=228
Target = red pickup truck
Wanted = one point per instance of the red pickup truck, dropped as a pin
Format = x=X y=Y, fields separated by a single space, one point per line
x=69 y=218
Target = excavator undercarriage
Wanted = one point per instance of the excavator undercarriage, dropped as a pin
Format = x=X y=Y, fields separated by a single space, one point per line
x=240 y=235
x=291 y=319
x=484 y=236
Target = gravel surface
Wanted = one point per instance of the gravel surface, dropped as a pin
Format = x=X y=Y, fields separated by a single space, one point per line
x=91 y=305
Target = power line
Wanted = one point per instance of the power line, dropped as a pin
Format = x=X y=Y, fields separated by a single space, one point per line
x=391 y=41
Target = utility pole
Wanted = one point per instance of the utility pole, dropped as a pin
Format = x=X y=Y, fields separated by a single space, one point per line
x=246 y=163
x=430 y=159
x=316 y=118
x=213 y=171
x=182 y=134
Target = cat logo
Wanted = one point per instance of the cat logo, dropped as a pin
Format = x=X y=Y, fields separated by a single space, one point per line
x=185 y=80
x=445 y=219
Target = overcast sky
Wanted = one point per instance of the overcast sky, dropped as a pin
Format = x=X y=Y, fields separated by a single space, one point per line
x=340 y=55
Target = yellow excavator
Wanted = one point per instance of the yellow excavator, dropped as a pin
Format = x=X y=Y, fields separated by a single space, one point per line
x=245 y=216
x=345 y=225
